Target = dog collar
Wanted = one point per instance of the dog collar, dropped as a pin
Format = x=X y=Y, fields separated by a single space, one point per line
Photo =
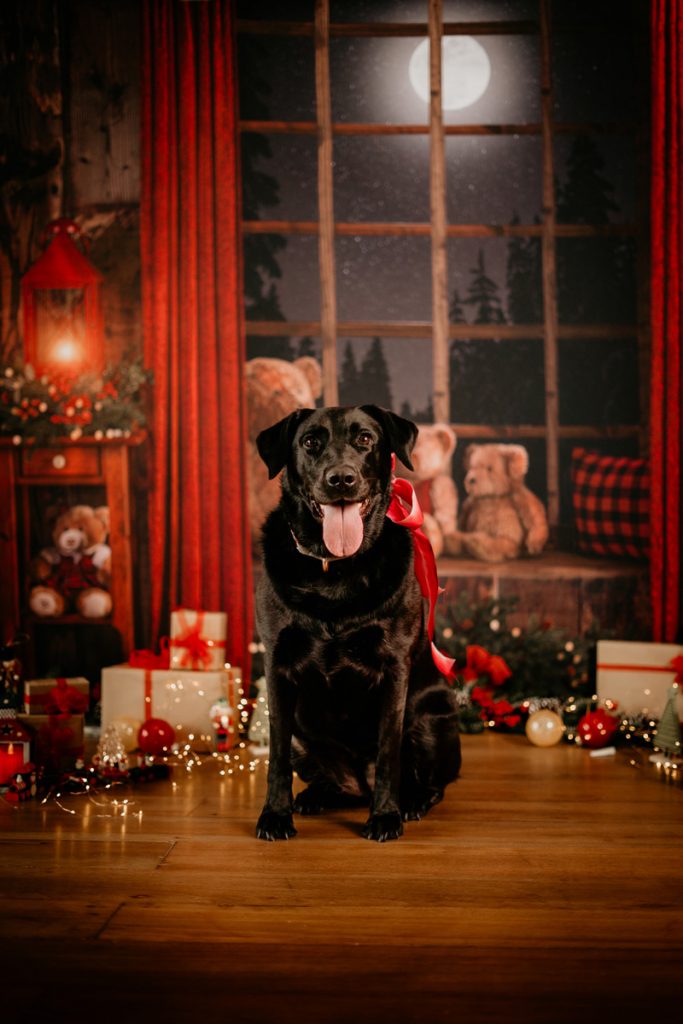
x=325 y=559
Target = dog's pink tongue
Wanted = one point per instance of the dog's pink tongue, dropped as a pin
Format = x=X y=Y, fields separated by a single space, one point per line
x=342 y=528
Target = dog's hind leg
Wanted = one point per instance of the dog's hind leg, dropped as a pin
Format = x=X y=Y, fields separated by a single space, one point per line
x=430 y=756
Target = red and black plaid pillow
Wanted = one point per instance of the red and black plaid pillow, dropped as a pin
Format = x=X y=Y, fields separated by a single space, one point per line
x=611 y=500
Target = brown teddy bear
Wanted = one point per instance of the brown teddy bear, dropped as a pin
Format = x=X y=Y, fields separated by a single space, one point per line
x=275 y=388
x=76 y=570
x=433 y=482
x=500 y=518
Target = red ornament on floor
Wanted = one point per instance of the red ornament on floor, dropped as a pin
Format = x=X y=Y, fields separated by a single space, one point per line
x=596 y=728
x=156 y=736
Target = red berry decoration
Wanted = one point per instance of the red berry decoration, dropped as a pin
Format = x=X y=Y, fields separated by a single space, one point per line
x=155 y=736
x=597 y=728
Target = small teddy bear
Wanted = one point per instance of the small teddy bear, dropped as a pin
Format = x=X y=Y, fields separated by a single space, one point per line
x=433 y=482
x=500 y=518
x=76 y=570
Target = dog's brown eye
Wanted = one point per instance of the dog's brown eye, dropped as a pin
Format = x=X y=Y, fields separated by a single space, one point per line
x=310 y=443
x=365 y=437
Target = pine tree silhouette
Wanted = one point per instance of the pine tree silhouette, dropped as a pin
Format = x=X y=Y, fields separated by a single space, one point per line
x=306 y=348
x=349 y=393
x=523 y=279
x=374 y=376
x=483 y=294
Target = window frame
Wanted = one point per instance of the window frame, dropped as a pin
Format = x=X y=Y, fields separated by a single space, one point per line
x=438 y=329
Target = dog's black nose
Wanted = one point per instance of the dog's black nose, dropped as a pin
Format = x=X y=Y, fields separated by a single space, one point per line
x=341 y=476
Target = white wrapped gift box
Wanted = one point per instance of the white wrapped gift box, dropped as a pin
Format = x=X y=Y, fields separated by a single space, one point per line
x=183 y=699
x=197 y=639
x=638 y=676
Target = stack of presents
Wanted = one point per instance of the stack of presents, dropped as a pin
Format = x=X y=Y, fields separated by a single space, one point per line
x=187 y=685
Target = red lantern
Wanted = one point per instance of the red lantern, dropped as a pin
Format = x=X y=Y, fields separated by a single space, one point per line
x=63 y=323
x=15 y=746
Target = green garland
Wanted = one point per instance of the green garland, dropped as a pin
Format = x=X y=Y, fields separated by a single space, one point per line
x=546 y=666
x=54 y=405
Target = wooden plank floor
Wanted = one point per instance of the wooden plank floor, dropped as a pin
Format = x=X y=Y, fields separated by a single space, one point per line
x=546 y=888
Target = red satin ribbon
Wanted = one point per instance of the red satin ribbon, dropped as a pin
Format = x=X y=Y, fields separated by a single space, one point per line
x=65 y=700
x=148 y=659
x=404 y=510
x=197 y=649
x=676 y=665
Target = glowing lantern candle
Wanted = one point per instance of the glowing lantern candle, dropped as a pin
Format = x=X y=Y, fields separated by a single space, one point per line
x=15 y=746
x=63 y=323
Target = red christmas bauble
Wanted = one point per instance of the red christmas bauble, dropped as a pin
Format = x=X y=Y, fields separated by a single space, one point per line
x=155 y=736
x=596 y=728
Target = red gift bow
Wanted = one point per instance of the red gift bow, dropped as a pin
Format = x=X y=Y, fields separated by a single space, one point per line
x=148 y=659
x=676 y=665
x=481 y=663
x=198 y=648
x=404 y=510
x=63 y=699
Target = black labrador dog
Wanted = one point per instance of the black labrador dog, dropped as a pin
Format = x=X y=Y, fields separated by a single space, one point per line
x=357 y=705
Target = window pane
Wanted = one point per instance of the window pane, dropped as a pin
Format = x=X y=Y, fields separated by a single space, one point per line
x=417 y=10
x=284 y=347
x=596 y=280
x=599 y=381
x=497 y=382
x=281 y=277
x=381 y=179
x=596 y=179
x=276 y=78
x=513 y=93
x=383 y=278
x=275 y=10
x=279 y=177
x=495 y=280
x=493 y=180
x=371 y=81
x=598 y=73
x=395 y=373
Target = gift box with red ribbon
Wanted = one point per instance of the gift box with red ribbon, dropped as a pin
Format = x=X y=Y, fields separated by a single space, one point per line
x=56 y=740
x=638 y=676
x=56 y=696
x=198 y=639
x=184 y=699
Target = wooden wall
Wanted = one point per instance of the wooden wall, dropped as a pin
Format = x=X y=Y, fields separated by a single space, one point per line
x=70 y=123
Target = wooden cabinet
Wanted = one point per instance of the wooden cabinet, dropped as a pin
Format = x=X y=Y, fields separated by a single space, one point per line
x=26 y=468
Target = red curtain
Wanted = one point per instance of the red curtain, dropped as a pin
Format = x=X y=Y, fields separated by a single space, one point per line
x=666 y=447
x=191 y=286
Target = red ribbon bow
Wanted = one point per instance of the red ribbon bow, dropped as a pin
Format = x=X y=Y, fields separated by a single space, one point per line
x=63 y=699
x=197 y=649
x=676 y=664
x=404 y=510
x=148 y=659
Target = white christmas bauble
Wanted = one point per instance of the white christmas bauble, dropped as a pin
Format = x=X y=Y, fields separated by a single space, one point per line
x=544 y=728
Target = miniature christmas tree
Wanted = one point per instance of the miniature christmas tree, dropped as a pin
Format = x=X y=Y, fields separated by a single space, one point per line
x=667 y=736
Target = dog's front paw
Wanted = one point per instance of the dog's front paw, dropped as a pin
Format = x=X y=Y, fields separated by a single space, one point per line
x=272 y=825
x=382 y=827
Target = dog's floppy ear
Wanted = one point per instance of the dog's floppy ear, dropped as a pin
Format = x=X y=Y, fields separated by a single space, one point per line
x=399 y=432
x=274 y=443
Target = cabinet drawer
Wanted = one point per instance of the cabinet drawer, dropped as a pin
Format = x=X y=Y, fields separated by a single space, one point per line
x=60 y=462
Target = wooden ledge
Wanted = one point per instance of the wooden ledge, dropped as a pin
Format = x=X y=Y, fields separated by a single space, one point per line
x=551 y=565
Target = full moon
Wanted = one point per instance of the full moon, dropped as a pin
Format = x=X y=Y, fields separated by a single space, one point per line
x=465 y=71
